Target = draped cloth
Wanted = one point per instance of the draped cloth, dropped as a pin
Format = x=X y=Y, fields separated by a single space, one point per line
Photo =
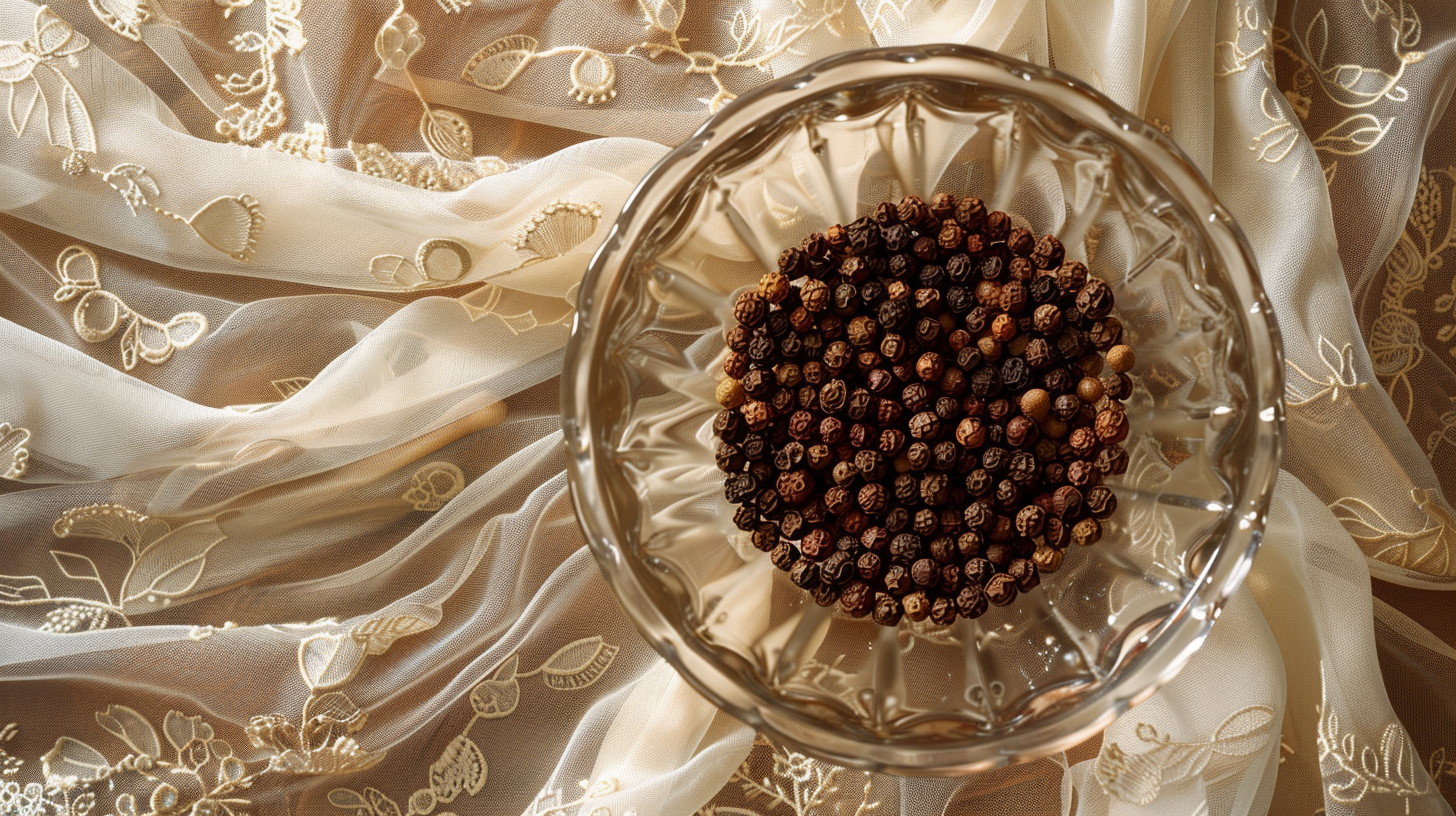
x=284 y=521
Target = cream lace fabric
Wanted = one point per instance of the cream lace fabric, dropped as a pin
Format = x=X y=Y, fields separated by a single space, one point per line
x=284 y=288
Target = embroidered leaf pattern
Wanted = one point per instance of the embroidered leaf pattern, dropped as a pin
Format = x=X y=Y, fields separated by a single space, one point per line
x=498 y=64
x=498 y=695
x=76 y=566
x=1356 y=135
x=16 y=589
x=327 y=660
x=173 y=565
x=111 y=522
x=447 y=134
x=72 y=759
x=378 y=634
x=460 y=769
x=131 y=728
x=578 y=664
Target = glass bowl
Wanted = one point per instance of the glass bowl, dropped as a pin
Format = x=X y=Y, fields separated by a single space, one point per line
x=824 y=146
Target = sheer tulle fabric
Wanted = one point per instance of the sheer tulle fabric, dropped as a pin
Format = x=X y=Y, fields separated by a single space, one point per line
x=292 y=533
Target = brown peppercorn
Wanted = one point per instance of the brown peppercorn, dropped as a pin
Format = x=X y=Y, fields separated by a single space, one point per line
x=794 y=486
x=924 y=573
x=1020 y=269
x=1001 y=590
x=783 y=555
x=869 y=566
x=887 y=610
x=1021 y=432
x=857 y=600
x=1081 y=473
x=1047 y=318
x=1095 y=299
x=1066 y=406
x=1089 y=389
x=930 y=367
x=1048 y=253
x=925 y=425
x=749 y=309
x=979 y=516
x=989 y=348
x=873 y=498
x=897 y=580
x=1036 y=403
x=1082 y=441
x=1003 y=328
x=953 y=382
x=891 y=442
x=815 y=295
x=1121 y=358
x=1013 y=298
x=756 y=414
x=970 y=433
x=1047 y=559
x=816 y=543
x=943 y=611
x=971 y=601
x=925 y=522
x=765 y=537
x=1101 y=502
x=1087 y=532
x=730 y=393
x=1020 y=241
x=917 y=606
x=1057 y=533
x=735 y=365
x=1024 y=572
x=1039 y=353
x=1105 y=333
x=862 y=331
x=998 y=225
x=950 y=236
x=935 y=489
x=804 y=573
x=1111 y=425
x=1067 y=502
x=999 y=553
x=1029 y=521
x=1111 y=460
x=870 y=464
x=1071 y=277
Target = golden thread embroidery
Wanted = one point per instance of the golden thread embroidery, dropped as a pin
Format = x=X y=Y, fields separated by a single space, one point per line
x=433 y=174
x=1231 y=58
x=1355 y=86
x=321 y=742
x=1139 y=778
x=1427 y=549
x=144 y=338
x=1395 y=343
x=67 y=122
x=125 y=17
x=1440 y=768
x=1275 y=143
x=1353 y=771
x=461 y=768
x=1341 y=364
x=446 y=134
x=166 y=563
x=282 y=29
x=13 y=448
x=593 y=74
x=558 y=228
x=794 y=783
x=437 y=262
x=433 y=485
x=311 y=144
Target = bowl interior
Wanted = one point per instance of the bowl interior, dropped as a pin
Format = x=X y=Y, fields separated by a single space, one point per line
x=1100 y=633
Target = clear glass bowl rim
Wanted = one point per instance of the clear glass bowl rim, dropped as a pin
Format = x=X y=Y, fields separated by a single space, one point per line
x=1224 y=570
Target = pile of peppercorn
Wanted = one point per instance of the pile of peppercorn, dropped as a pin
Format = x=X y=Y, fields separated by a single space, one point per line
x=913 y=421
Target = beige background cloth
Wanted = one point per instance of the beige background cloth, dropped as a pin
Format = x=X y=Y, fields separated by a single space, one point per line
x=284 y=287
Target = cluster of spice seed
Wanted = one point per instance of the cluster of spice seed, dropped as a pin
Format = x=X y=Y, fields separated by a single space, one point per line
x=913 y=421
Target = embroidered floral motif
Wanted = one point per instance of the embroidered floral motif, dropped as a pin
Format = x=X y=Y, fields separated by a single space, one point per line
x=201 y=773
x=29 y=69
x=446 y=134
x=437 y=262
x=1139 y=778
x=125 y=17
x=558 y=228
x=13 y=451
x=1231 y=56
x=593 y=74
x=243 y=121
x=433 y=485
x=144 y=338
x=165 y=563
x=775 y=780
x=1427 y=549
x=434 y=173
x=311 y=144
x=1353 y=771
x=461 y=767
x=1341 y=364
